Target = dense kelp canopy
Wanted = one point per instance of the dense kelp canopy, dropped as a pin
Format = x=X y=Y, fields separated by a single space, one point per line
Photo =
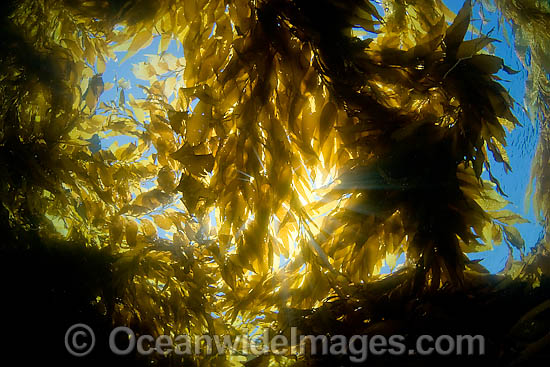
x=295 y=148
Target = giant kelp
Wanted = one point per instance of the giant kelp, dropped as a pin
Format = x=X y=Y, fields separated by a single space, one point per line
x=323 y=134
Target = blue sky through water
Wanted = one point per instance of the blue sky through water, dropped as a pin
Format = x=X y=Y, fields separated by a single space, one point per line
x=521 y=142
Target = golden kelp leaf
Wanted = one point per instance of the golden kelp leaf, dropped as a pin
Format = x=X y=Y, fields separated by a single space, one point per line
x=164 y=43
x=514 y=237
x=162 y=221
x=190 y=10
x=180 y=240
x=89 y=51
x=166 y=179
x=73 y=46
x=501 y=103
x=91 y=99
x=471 y=47
x=196 y=129
x=492 y=201
x=94 y=91
x=176 y=119
x=121 y=98
x=100 y=64
x=131 y=232
x=310 y=121
x=125 y=151
x=116 y=230
x=197 y=164
x=509 y=217
x=143 y=71
x=487 y=234
x=148 y=228
x=192 y=191
x=152 y=199
x=457 y=30
x=140 y=41
x=327 y=120
x=488 y=64
x=169 y=85
x=510 y=70
x=106 y=175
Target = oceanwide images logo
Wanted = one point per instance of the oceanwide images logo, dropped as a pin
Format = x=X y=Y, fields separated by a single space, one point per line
x=80 y=341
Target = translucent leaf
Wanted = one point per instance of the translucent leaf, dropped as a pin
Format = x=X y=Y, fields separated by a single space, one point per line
x=196 y=129
x=91 y=99
x=148 y=228
x=164 y=42
x=100 y=64
x=162 y=221
x=514 y=237
x=131 y=232
x=327 y=120
x=121 y=98
x=457 y=30
x=141 y=40
x=487 y=63
x=509 y=217
x=142 y=71
x=116 y=230
x=471 y=47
